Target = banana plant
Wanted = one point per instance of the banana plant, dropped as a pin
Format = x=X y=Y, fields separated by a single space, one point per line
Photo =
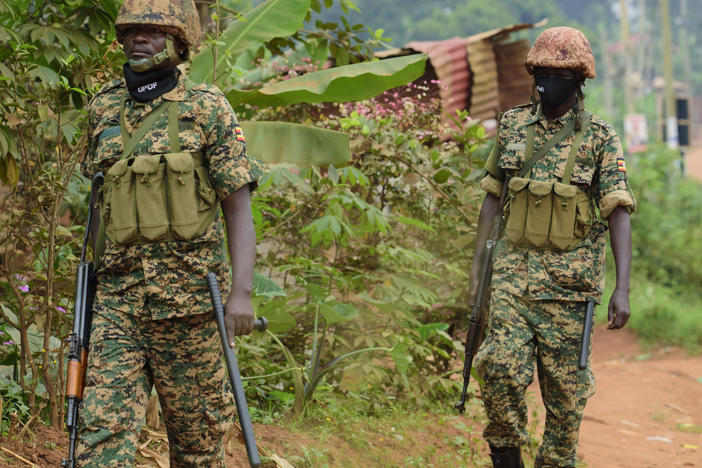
x=220 y=63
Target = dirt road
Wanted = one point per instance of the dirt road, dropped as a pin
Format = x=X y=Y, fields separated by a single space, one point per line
x=647 y=411
x=693 y=162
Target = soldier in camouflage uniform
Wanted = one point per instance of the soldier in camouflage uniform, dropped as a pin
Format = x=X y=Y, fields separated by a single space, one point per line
x=165 y=180
x=540 y=287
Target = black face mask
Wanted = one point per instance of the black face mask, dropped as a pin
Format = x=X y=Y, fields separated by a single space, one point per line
x=555 y=90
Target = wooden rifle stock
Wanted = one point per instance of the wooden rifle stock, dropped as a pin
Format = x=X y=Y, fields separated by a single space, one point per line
x=477 y=317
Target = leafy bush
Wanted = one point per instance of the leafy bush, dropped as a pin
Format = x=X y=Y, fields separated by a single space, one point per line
x=666 y=274
x=372 y=256
x=668 y=225
x=52 y=59
x=49 y=73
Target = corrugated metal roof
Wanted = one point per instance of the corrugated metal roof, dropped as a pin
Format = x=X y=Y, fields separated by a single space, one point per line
x=483 y=73
x=507 y=30
x=449 y=59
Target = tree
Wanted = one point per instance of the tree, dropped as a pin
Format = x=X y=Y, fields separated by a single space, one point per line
x=274 y=27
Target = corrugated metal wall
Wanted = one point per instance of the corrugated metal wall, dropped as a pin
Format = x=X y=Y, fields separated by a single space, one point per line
x=485 y=97
x=449 y=59
x=514 y=81
x=483 y=73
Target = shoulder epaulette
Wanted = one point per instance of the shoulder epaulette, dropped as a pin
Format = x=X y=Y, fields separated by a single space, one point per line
x=600 y=122
x=204 y=87
x=109 y=86
x=517 y=110
x=106 y=88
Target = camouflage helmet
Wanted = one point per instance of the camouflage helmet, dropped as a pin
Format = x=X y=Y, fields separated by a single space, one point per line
x=177 y=17
x=562 y=47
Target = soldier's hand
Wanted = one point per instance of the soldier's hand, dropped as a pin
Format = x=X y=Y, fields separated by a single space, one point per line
x=238 y=316
x=618 y=310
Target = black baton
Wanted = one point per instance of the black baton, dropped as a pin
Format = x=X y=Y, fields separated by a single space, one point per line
x=587 y=328
x=232 y=366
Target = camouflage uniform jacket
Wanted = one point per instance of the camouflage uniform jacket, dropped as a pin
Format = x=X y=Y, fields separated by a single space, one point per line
x=170 y=275
x=578 y=274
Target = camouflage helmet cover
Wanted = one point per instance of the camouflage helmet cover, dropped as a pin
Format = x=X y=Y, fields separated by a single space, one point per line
x=562 y=47
x=177 y=17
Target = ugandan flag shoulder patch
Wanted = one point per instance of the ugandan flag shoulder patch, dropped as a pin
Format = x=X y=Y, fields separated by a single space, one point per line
x=621 y=165
x=239 y=134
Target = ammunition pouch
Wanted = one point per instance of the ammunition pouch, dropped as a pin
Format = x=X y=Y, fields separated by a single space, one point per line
x=157 y=197
x=547 y=214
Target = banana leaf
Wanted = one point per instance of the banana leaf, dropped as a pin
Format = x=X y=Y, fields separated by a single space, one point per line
x=271 y=19
x=294 y=143
x=341 y=84
x=248 y=75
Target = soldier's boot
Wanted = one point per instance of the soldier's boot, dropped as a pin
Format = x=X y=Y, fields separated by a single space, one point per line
x=506 y=457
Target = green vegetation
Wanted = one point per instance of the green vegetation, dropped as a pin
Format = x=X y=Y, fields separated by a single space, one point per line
x=53 y=56
x=362 y=267
x=347 y=287
x=665 y=293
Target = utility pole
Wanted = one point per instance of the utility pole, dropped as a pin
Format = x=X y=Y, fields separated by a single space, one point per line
x=608 y=73
x=671 y=121
x=626 y=46
x=683 y=42
x=643 y=49
x=688 y=70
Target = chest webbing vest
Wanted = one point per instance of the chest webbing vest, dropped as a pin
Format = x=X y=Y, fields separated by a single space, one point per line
x=156 y=197
x=548 y=214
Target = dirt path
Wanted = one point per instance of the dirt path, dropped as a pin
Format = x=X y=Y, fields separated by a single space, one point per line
x=693 y=161
x=647 y=411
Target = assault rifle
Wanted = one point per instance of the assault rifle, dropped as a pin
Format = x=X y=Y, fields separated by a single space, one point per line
x=481 y=306
x=242 y=408
x=79 y=339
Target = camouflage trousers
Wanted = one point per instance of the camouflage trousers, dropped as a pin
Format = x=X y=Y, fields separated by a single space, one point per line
x=182 y=359
x=521 y=332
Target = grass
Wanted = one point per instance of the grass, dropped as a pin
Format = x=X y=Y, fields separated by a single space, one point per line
x=347 y=435
x=344 y=430
x=660 y=314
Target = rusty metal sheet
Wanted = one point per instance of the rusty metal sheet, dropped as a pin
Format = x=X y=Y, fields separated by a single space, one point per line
x=515 y=83
x=485 y=99
x=505 y=31
x=449 y=59
x=483 y=73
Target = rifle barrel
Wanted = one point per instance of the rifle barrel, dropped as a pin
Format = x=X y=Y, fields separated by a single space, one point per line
x=587 y=329
x=80 y=335
x=233 y=369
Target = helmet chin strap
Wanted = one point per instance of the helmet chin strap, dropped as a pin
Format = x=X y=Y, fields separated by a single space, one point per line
x=146 y=64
